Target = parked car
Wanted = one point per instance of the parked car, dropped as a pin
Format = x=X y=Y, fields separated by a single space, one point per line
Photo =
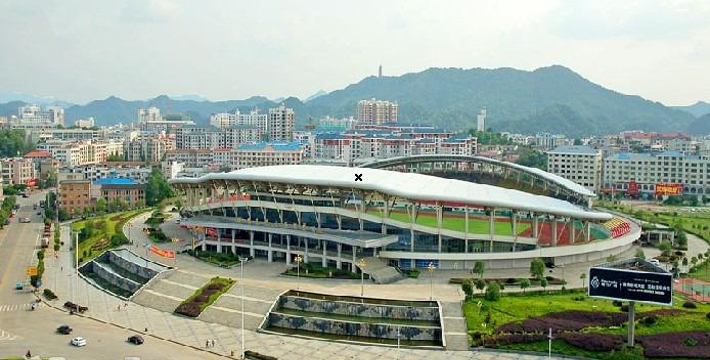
x=78 y=341
x=64 y=330
x=136 y=340
x=24 y=220
x=19 y=286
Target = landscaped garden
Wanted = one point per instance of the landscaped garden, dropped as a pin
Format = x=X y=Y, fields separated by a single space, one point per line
x=101 y=233
x=227 y=259
x=585 y=326
x=317 y=271
x=204 y=297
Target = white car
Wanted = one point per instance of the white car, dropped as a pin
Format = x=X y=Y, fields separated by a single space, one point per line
x=24 y=220
x=78 y=341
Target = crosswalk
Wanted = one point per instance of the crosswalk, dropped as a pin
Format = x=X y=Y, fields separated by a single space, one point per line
x=6 y=336
x=16 y=307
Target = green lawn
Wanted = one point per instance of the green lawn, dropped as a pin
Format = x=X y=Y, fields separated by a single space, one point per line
x=517 y=307
x=110 y=225
x=475 y=225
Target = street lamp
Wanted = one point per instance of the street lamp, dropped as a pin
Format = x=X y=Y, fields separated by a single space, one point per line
x=241 y=265
x=361 y=264
x=298 y=261
x=431 y=268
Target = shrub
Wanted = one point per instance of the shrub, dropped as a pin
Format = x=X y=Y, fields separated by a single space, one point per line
x=624 y=308
x=56 y=247
x=189 y=309
x=689 y=305
x=593 y=342
x=616 y=303
x=511 y=281
x=255 y=355
x=493 y=292
x=707 y=316
x=467 y=286
x=49 y=294
x=689 y=344
x=649 y=320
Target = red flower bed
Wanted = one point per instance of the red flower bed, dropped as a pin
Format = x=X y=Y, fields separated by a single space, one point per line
x=190 y=309
x=689 y=344
x=500 y=340
x=593 y=342
x=564 y=321
x=575 y=320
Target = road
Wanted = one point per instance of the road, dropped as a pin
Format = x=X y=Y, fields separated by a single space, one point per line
x=22 y=329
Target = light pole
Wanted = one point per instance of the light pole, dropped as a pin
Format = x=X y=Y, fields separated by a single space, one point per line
x=241 y=265
x=298 y=261
x=361 y=264
x=431 y=268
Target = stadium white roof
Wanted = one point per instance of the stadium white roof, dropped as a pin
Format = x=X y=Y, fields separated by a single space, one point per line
x=407 y=185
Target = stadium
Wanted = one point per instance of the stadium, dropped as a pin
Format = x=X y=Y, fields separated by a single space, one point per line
x=335 y=216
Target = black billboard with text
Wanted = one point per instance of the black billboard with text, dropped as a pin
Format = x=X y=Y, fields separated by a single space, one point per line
x=618 y=284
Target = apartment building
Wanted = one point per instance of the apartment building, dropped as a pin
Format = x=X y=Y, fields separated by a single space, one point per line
x=377 y=111
x=646 y=170
x=211 y=137
x=17 y=171
x=281 y=124
x=254 y=119
x=578 y=163
x=74 y=196
x=268 y=154
x=120 y=189
x=147 y=147
x=77 y=153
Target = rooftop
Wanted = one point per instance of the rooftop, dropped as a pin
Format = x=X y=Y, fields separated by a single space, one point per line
x=114 y=181
x=407 y=185
x=574 y=149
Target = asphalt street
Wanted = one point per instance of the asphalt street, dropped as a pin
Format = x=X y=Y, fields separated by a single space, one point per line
x=22 y=329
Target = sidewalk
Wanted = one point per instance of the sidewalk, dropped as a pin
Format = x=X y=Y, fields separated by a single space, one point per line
x=194 y=333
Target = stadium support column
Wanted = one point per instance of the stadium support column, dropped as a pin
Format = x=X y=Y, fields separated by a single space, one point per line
x=514 y=218
x=412 y=219
x=270 y=253
x=234 y=244
x=305 y=253
x=587 y=232
x=491 y=227
x=323 y=260
x=553 y=226
x=288 y=249
x=571 y=231
x=535 y=226
x=465 y=231
x=352 y=268
x=204 y=241
x=219 y=240
x=439 y=220
x=251 y=243
x=338 y=262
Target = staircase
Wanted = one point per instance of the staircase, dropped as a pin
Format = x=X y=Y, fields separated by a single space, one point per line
x=380 y=272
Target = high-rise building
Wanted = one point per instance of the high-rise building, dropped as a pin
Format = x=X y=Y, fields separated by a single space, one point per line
x=281 y=123
x=151 y=114
x=377 y=111
x=34 y=116
x=481 y=120
x=252 y=119
x=578 y=163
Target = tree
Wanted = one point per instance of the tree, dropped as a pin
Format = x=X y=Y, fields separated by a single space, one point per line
x=13 y=143
x=493 y=292
x=533 y=158
x=665 y=248
x=479 y=268
x=537 y=269
x=583 y=277
x=640 y=254
x=543 y=283
x=156 y=189
x=524 y=284
x=694 y=260
x=685 y=261
x=101 y=205
x=681 y=238
x=480 y=284
x=467 y=287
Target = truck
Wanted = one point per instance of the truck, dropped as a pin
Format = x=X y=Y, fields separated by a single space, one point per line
x=45 y=242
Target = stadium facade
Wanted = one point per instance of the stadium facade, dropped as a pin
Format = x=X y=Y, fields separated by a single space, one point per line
x=335 y=216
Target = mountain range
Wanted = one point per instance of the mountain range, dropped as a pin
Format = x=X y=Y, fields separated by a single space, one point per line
x=553 y=99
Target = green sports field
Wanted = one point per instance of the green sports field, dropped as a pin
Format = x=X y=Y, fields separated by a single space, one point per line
x=475 y=225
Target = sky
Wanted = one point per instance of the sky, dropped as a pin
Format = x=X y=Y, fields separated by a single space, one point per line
x=81 y=50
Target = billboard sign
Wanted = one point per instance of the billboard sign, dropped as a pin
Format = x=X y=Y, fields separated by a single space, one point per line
x=669 y=189
x=633 y=188
x=631 y=285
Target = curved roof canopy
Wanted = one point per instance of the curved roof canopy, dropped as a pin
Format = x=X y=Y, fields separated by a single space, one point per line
x=406 y=185
x=562 y=182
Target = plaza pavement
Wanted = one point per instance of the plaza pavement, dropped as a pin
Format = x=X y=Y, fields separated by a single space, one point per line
x=263 y=283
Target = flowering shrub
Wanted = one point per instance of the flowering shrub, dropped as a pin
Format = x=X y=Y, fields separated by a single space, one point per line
x=593 y=342
x=679 y=344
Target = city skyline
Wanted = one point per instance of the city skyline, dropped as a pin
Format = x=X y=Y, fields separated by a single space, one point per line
x=652 y=49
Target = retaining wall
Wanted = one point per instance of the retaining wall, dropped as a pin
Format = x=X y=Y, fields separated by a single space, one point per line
x=359 y=309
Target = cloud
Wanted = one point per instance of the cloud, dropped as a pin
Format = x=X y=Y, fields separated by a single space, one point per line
x=149 y=11
x=632 y=19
